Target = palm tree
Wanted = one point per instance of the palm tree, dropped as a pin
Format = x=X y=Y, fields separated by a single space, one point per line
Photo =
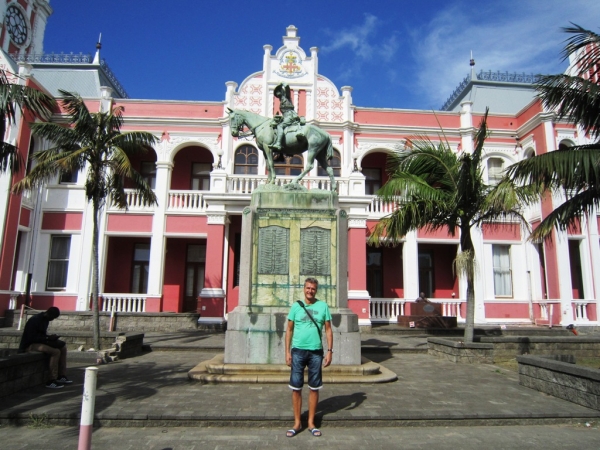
x=440 y=189
x=14 y=98
x=93 y=141
x=575 y=171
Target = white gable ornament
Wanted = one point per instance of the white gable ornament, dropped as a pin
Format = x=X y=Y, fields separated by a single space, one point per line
x=290 y=65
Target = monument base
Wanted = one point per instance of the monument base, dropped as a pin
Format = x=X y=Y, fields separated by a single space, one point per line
x=217 y=371
x=256 y=336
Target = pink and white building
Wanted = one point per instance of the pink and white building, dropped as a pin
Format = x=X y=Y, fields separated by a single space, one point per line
x=183 y=254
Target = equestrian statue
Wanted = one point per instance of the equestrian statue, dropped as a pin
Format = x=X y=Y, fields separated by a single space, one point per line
x=285 y=134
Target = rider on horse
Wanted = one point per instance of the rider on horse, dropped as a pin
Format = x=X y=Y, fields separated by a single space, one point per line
x=290 y=117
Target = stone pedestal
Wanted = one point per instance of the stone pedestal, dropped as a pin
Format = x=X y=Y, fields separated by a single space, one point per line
x=287 y=236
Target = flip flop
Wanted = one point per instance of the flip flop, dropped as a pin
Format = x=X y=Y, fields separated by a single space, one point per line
x=292 y=432
x=315 y=432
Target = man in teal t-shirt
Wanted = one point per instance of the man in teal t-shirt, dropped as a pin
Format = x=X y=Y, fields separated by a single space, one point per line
x=304 y=348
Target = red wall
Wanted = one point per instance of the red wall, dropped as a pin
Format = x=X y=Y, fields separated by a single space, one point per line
x=503 y=231
x=137 y=223
x=509 y=310
x=233 y=292
x=62 y=221
x=357 y=255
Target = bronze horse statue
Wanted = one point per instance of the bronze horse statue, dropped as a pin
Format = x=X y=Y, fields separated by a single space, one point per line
x=298 y=139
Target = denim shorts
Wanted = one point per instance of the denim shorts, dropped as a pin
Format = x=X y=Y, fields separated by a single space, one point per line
x=313 y=359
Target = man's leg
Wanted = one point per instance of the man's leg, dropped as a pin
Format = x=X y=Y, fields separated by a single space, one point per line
x=54 y=357
x=62 y=366
x=313 y=400
x=297 y=407
x=315 y=382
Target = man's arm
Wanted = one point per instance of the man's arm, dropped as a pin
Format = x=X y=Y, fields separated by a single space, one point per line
x=329 y=337
x=288 y=343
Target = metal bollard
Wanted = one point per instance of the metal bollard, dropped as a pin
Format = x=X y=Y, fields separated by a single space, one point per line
x=87 y=409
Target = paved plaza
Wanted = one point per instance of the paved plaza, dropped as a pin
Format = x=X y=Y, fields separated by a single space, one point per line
x=148 y=402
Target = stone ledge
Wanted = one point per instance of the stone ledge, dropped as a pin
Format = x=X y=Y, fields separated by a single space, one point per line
x=460 y=352
x=216 y=371
x=580 y=385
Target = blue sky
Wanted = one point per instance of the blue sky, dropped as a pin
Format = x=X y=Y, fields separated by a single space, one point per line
x=394 y=53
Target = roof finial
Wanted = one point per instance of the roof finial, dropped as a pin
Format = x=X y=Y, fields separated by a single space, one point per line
x=472 y=62
x=98 y=47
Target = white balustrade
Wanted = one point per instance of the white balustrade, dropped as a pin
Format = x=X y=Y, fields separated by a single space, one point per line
x=134 y=202
x=13 y=296
x=580 y=310
x=124 y=302
x=245 y=184
x=381 y=208
x=386 y=309
x=27 y=198
x=182 y=201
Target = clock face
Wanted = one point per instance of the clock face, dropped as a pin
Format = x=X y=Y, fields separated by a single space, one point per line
x=16 y=24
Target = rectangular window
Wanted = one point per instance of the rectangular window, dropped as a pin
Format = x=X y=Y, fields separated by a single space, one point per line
x=68 y=177
x=58 y=263
x=141 y=265
x=148 y=172
x=372 y=180
x=495 y=170
x=201 y=176
x=502 y=271
x=426 y=273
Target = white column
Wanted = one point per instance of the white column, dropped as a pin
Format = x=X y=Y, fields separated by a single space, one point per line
x=466 y=127
x=564 y=278
x=85 y=264
x=480 y=270
x=157 y=242
x=594 y=249
x=410 y=266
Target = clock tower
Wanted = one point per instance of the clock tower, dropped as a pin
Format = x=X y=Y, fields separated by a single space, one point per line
x=23 y=25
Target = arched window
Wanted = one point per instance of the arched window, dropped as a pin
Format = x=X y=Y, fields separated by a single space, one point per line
x=335 y=163
x=289 y=165
x=246 y=160
x=565 y=144
x=529 y=153
x=495 y=168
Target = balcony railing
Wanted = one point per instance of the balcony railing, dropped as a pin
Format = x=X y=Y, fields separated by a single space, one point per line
x=124 y=302
x=580 y=310
x=186 y=201
x=380 y=208
x=245 y=184
x=387 y=310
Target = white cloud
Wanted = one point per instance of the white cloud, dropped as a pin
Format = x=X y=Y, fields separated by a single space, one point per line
x=362 y=41
x=522 y=36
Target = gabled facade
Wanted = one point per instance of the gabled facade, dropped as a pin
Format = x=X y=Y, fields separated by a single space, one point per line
x=183 y=255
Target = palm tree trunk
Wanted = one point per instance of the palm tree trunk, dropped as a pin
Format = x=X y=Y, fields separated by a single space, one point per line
x=466 y=246
x=95 y=276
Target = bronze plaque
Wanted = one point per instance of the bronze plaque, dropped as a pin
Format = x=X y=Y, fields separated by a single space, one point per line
x=273 y=250
x=315 y=251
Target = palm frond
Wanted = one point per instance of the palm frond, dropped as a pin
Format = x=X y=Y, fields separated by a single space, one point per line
x=480 y=137
x=574 y=168
x=574 y=98
x=10 y=158
x=567 y=214
x=38 y=103
x=79 y=116
x=588 y=61
x=464 y=263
